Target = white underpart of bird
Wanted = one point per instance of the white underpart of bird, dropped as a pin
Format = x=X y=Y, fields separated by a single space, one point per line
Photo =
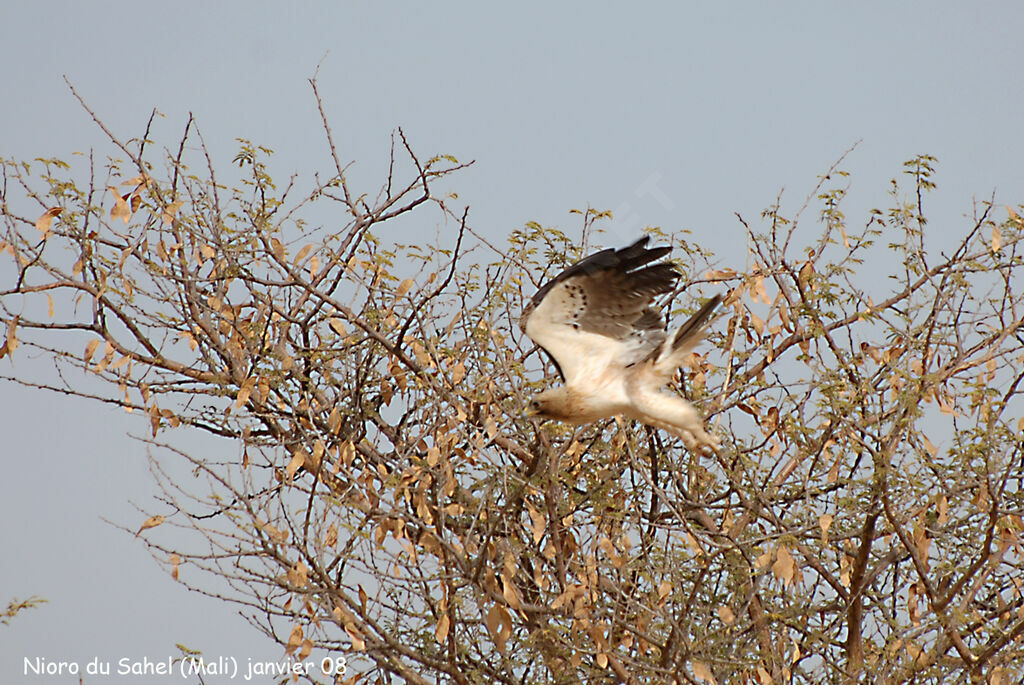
x=611 y=347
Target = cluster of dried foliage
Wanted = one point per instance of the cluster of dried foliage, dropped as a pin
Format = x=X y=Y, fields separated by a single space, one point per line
x=388 y=500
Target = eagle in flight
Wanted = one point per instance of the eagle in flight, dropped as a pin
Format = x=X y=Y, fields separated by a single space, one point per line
x=611 y=347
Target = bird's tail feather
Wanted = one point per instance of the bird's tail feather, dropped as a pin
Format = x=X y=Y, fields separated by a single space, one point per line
x=675 y=348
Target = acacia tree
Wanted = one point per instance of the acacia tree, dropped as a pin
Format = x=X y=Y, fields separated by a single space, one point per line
x=390 y=502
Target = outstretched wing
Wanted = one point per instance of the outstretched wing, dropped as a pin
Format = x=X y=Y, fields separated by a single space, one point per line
x=597 y=312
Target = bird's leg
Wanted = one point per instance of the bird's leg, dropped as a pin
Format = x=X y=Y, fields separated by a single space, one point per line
x=684 y=422
x=699 y=442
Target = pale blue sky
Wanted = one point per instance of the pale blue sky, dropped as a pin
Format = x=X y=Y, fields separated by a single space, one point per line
x=713 y=108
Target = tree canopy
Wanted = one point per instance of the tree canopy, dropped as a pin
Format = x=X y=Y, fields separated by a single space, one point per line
x=384 y=497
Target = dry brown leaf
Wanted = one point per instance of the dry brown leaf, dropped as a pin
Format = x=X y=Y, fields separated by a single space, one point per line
x=243 y=393
x=567 y=595
x=759 y=291
x=43 y=223
x=784 y=316
x=997 y=240
x=757 y=322
x=337 y=325
x=719 y=274
x=825 y=522
x=912 y=609
x=929 y=447
x=263 y=388
x=347 y=452
x=140 y=181
x=806 y=272
x=154 y=419
x=846 y=241
x=692 y=543
x=702 y=672
x=833 y=473
x=306 y=249
x=278 y=249
x=120 y=210
x=443 y=624
x=12 y=336
x=508 y=591
x=298 y=575
x=784 y=566
x=726 y=614
x=499 y=625
x=294 y=640
x=108 y=356
x=942 y=506
x=981 y=498
x=334 y=423
x=151 y=522
x=358 y=643
x=422 y=357
x=363 y=597
x=458 y=373
x=493 y=622
x=90 y=349
x=539 y=523
x=331 y=539
x=297 y=460
x=274 y=534
x=174 y=560
x=404 y=287
x=307 y=648
x=167 y=216
x=923 y=542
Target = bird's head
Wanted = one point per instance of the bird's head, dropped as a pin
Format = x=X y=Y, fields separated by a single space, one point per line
x=555 y=403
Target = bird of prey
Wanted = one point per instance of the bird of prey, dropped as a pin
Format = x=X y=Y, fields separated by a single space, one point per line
x=611 y=347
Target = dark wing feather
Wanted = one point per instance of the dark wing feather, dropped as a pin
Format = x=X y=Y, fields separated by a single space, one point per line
x=608 y=293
